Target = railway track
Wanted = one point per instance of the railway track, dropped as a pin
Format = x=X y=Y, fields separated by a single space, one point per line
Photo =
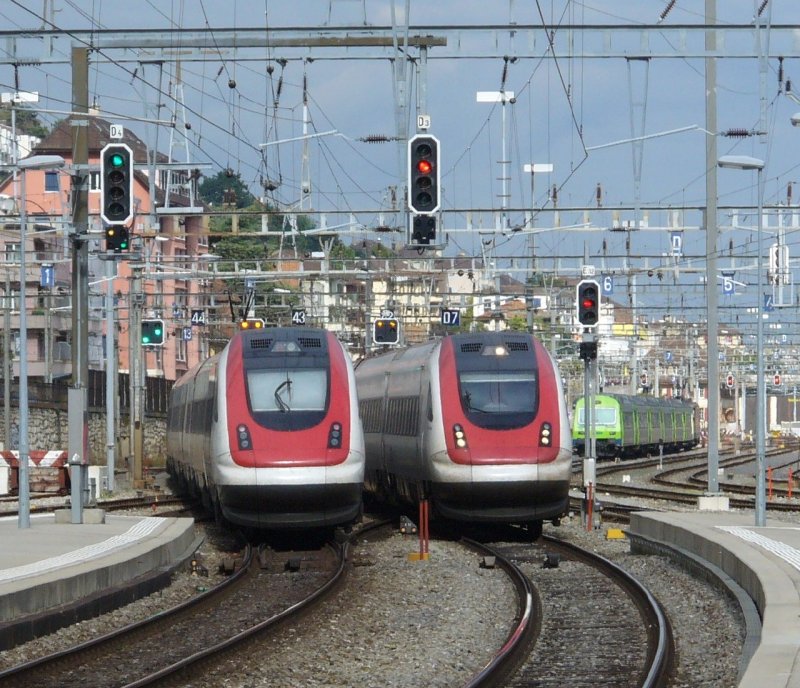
x=175 y=644
x=597 y=626
x=682 y=480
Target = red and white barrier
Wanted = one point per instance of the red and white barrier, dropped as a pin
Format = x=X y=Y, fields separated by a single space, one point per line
x=47 y=471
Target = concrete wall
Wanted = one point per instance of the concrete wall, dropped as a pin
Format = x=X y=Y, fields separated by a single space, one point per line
x=48 y=430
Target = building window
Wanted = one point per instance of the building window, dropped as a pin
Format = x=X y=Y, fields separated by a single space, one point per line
x=12 y=253
x=51 y=181
x=181 y=350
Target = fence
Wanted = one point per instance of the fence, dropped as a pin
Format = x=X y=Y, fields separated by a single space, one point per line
x=156 y=393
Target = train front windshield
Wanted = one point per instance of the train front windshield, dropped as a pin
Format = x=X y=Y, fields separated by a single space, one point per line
x=498 y=392
x=287 y=390
x=498 y=384
x=287 y=398
x=602 y=416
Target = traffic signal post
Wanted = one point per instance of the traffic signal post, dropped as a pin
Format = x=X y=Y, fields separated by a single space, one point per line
x=386 y=331
x=116 y=184
x=587 y=306
x=424 y=199
x=153 y=332
x=116 y=195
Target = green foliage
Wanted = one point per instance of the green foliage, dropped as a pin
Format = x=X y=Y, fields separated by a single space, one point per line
x=517 y=323
x=27 y=122
x=213 y=190
x=241 y=248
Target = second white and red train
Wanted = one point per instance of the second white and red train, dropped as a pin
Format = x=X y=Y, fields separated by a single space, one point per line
x=475 y=423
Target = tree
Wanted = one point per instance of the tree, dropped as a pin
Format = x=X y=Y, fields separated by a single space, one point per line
x=216 y=190
x=27 y=122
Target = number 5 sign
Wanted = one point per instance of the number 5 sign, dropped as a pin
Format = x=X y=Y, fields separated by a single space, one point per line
x=728 y=286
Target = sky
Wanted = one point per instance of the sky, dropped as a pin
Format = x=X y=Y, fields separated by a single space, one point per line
x=566 y=113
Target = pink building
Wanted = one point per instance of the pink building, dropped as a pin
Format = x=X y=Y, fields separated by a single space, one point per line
x=169 y=249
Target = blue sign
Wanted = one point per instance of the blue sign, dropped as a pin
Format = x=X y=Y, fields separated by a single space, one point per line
x=668 y=356
x=676 y=242
x=728 y=285
x=608 y=285
x=187 y=334
x=48 y=278
x=769 y=303
x=451 y=317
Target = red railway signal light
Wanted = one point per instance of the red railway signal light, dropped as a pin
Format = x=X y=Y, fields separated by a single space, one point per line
x=423 y=174
x=588 y=306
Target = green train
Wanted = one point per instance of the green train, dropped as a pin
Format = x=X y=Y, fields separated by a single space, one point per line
x=628 y=426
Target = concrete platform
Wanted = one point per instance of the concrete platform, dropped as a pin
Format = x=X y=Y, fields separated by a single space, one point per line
x=62 y=565
x=764 y=562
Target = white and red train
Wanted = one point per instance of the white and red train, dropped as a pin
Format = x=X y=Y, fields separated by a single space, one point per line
x=267 y=432
x=475 y=423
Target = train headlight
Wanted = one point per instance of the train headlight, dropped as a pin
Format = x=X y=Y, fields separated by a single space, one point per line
x=459 y=437
x=494 y=350
x=335 y=436
x=243 y=435
x=545 y=435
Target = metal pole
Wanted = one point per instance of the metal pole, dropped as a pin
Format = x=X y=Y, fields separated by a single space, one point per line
x=760 y=387
x=111 y=374
x=24 y=517
x=504 y=166
x=711 y=253
x=77 y=412
x=136 y=366
x=7 y=363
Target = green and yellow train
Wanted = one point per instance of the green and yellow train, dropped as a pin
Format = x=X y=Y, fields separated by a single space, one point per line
x=628 y=426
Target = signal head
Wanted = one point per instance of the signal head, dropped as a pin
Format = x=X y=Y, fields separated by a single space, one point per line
x=423 y=174
x=588 y=297
x=116 y=184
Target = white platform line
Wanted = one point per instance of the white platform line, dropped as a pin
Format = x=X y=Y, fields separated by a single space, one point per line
x=136 y=532
x=780 y=549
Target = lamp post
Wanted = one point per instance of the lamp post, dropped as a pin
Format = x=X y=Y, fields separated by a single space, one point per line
x=745 y=162
x=35 y=162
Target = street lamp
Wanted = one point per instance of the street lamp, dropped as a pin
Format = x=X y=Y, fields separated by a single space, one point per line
x=745 y=162
x=34 y=162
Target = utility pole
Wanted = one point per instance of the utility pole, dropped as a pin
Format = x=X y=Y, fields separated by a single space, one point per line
x=712 y=309
x=77 y=395
x=136 y=375
x=7 y=371
x=111 y=375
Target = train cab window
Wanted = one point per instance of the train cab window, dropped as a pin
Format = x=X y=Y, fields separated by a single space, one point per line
x=602 y=416
x=287 y=390
x=499 y=399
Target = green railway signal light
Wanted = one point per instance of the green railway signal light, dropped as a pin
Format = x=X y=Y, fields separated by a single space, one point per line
x=117 y=238
x=116 y=184
x=153 y=332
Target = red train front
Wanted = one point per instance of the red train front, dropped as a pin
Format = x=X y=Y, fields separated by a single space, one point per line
x=477 y=423
x=268 y=431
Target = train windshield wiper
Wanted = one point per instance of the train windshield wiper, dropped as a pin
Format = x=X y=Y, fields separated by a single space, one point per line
x=282 y=405
x=468 y=404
